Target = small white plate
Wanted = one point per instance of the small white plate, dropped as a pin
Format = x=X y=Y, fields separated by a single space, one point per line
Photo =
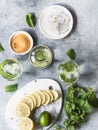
x=38 y=84
x=47 y=20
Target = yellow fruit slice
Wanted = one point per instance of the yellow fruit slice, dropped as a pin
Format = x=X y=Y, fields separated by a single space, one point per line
x=55 y=94
x=26 y=124
x=22 y=110
x=38 y=99
x=42 y=96
x=50 y=94
x=28 y=101
x=47 y=98
x=33 y=100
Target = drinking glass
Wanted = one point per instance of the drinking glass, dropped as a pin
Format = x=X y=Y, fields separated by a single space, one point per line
x=41 y=56
x=68 y=72
x=11 y=69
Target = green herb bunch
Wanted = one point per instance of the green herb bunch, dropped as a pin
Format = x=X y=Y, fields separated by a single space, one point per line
x=78 y=105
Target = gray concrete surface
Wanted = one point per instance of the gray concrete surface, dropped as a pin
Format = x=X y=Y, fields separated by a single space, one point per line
x=83 y=38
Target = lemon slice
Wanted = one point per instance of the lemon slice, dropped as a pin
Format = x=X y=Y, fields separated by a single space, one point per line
x=47 y=98
x=22 y=110
x=50 y=94
x=28 y=101
x=33 y=100
x=38 y=98
x=26 y=124
x=42 y=96
x=55 y=94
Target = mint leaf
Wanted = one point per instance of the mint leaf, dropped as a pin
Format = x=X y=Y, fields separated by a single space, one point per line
x=1 y=48
x=71 y=54
x=63 y=77
x=69 y=67
x=71 y=128
x=87 y=107
x=11 y=88
x=30 y=20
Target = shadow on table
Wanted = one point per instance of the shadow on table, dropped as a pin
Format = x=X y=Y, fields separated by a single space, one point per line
x=33 y=34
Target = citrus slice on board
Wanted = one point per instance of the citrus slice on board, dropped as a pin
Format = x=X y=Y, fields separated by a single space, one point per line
x=26 y=124
x=28 y=101
x=55 y=94
x=22 y=110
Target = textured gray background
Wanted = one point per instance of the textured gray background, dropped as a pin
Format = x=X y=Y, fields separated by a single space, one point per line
x=84 y=39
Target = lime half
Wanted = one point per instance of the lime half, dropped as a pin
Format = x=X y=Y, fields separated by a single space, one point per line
x=39 y=55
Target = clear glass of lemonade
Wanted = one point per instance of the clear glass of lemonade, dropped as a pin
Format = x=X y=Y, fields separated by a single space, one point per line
x=68 y=72
x=11 y=69
x=41 y=56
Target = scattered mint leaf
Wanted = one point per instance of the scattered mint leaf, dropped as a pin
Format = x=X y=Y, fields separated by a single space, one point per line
x=30 y=20
x=11 y=88
x=71 y=54
x=1 y=48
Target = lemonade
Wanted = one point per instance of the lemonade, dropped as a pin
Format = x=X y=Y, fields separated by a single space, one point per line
x=68 y=72
x=41 y=56
x=10 y=69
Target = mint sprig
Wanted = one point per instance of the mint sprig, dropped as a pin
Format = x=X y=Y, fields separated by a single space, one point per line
x=78 y=104
x=71 y=54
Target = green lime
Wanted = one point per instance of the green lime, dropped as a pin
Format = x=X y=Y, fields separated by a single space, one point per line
x=39 y=55
x=45 y=118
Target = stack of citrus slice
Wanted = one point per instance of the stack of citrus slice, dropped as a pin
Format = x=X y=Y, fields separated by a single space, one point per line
x=30 y=102
x=34 y=100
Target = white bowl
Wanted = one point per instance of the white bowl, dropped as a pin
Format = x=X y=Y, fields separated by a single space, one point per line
x=49 y=11
x=28 y=35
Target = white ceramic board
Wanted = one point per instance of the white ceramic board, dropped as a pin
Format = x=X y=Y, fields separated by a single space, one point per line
x=38 y=84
